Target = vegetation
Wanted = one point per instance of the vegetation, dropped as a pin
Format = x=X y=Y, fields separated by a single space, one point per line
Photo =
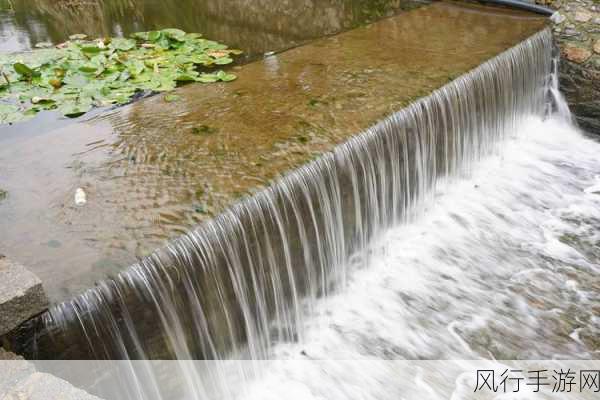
x=79 y=74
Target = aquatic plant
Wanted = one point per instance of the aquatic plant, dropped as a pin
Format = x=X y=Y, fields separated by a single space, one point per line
x=79 y=74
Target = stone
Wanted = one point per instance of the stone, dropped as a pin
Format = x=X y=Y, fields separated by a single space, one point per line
x=597 y=47
x=14 y=369
x=558 y=18
x=578 y=55
x=19 y=380
x=40 y=386
x=570 y=33
x=582 y=16
x=596 y=21
x=21 y=295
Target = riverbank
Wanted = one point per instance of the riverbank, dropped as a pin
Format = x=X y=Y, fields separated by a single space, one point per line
x=577 y=33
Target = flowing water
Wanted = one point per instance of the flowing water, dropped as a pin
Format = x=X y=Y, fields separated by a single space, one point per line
x=153 y=170
x=246 y=280
x=462 y=227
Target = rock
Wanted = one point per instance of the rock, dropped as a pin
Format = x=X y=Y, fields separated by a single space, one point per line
x=571 y=33
x=597 y=47
x=558 y=18
x=40 y=386
x=14 y=369
x=21 y=295
x=578 y=55
x=19 y=380
x=596 y=21
x=582 y=16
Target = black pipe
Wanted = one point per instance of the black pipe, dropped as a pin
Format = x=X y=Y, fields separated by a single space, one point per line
x=522 y=5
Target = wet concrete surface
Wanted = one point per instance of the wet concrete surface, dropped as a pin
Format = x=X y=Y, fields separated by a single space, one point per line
x=153 y=169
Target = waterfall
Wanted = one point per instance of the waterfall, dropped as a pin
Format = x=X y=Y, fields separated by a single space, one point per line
x=238 y=284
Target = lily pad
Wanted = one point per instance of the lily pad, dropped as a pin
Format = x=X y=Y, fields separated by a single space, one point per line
x=23 y=69
x=80 y=74
x=122 y=44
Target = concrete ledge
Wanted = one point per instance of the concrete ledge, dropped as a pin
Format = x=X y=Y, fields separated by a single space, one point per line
x=19 y=380
x=21 y=295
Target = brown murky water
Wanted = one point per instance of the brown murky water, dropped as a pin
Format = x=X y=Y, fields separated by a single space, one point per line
x=153 y=169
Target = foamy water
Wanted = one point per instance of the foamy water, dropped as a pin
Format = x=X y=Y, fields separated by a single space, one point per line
x=503 y=264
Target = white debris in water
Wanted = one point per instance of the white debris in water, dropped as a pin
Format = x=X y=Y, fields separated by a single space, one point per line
x=80 y=197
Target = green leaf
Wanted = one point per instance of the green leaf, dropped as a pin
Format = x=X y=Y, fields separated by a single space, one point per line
x=223 y=61
x=207 y=78
x=23 y=69
x=225 y=77
x=122 y=44
x=91 y=49
x=185 y=78
x=76 y=80
x=153 y=36
x=135 y=67
x=85 y=73
x=88 y=68
x=176 y=34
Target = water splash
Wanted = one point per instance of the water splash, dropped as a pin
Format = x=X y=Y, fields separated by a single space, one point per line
x=505 y=265
x=237 y=285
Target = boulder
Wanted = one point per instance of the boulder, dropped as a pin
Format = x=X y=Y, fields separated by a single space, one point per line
x=576 y=54
x=21 y=295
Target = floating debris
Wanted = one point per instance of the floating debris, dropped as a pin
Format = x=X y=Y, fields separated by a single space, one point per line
x=80 y=197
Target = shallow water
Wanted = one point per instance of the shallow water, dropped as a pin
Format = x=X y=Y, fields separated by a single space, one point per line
x=149 y=178
x=501 y=263
x=256 y=27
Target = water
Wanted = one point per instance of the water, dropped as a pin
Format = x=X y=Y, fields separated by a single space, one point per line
x=497 y=261
x=463 y=227
x=149 y=177
x=257 y=27
x=246 y=280
x=504 y=264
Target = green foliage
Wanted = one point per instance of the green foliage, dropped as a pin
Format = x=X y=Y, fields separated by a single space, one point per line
x=81 y=74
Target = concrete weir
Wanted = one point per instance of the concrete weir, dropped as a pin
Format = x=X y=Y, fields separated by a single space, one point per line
x=215 y=290
x=155 y=169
